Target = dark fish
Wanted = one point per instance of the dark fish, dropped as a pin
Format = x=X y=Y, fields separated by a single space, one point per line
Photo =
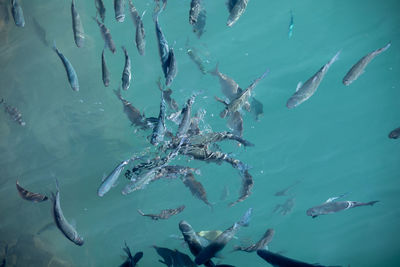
x=106 y=34
x=284 y=191
x=140 y=37
x=360 y=66
x=195 y=7
x=291 y=25
x=126 y=74
x=77 y=27
x=306 y=90
x=163 y=48
x=286 y=207
x=40 y=32
x=235 y=123
x=395 y=133
x=182 y=260
x=14 y=113
x=131 y=261
x=191 y=238
x=167 y=255
x=159 y=129
x=186 y=115
x=174 y=258
x=257 y=108
x=65 y=227
x=119 y=8
x=34 y=197
x=236 y=8
x=101 y=10
x=133 y=113
x=261 y=244
x=217 y=245
x=72 y=77
x=228 y=86
x=167 y=96
x=172 y=68
x=198 y=27
x=17 y=13
x=245 y=220
x=247 y=185
x=195 y=187
x=164 y=214
x=111 y=179
x=104 y=70
x=335 y=206
x=281 y=261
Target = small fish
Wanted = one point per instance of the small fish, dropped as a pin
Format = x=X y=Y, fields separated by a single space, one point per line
x=126 y=74
x=335 y=206
x=172 y=68
x=17 y=13
x=247 y=185
x=228 y=86
x=236 y=8
x=395 y=133
x=198 y=27
x=291 y=25
x=111 y=179
x=306 y=90
x=284 y=191
x=192 y=53
x=119 y=9
x=261 y=244
x=186 y=115
x=14 y=113
x=34 y=197
x=245 y=220
x=360 y=66
x=72 y=77
x=286 y=207
x=196 y=188
x=257 y=108
x=164 y=214
x=104 y=71
x=62 y=224
x=131 y=261
x=101 y=10
x=140 y=37
x=212 y=137
x=163 y=47
x=160 y=128
x=106 y=34
x=195 y=7
x=40 y=32
x=77 y=27
x=167 y=96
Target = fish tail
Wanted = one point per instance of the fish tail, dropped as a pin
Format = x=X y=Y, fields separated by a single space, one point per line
x=118 y=93
x=127 y=250
x=383 y=49
x=372 y=202
x=335 y=58
x=140 y=212
x=54 y=47
x=215 y=71
x=57 y=184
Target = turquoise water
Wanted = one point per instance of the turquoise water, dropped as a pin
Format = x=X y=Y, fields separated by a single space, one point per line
x=335 y=142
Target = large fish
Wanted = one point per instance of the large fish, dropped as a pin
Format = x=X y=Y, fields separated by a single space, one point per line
x=126 y=74
x=159 y=129
x=172 y=67
x=196 y=188
x=101 y=10
x=72 y=77
x=111 y=179
x=131 y=261
x=306 y=90
x=25 y=194
x=360 y=66
x=62 y=224
x=236 y=8
x=331 y=206
x=395 y=133
x=17 y=13
x=261 y=244
x=106 y=34
x=140 y=37
x=77 y=27
x=164 y=214
x=104 y=70
x=163 y=47
x=186 y=115
x=14 y=113
x=119 y=9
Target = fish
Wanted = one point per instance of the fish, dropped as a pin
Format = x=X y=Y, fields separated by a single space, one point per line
x=211 y=137
x=30 y=196
x=46 y=227
x=195 y=7
x=131 y=261
x=126 y=74
x=104 y=71
x=40 y=32
x=360 y=66
x=164 y=214
x=245 y=220
x=119 y=9
x=106 y=35
x=195 y=187
x=286 y=207
x=291 y=25
x=193 y=54
x=167 y=96
x=111 y=180
x=306 y=90
x=174 y=258
x=261 y=244
x=186 y=115
x=163 y=47
x=72 y=76
x=257 y=108
x=77 y=27
x=160 y=128
x=17 y=13
x=101 y=10
x=198 y=27
x=167 y=255
x=284 y=191
x=191 y=238
x=228 y=85
x=62 y=224
x=331 y=206
x=182 y=260
x=140 y=37
x=173 y=172
x=235 y=123
x=395 y=133
x=281 y=261
x=13 y=112
x=247 y=185
x=236 y=8
x=241 y=98
x=172 y=68
x=217 y=245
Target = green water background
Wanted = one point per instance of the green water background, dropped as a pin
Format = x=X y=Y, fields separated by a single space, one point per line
x=336 y=142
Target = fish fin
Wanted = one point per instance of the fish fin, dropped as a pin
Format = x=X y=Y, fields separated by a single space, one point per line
x=299 y=85
x=140 y=212
x=115 y=184
x=54 y=47
x=247 y=106
x=221 y=100
x=215 y=71
x=331 y=199
x=371 y=203
x=335 y=57
x=104 y=177
x=383 y=49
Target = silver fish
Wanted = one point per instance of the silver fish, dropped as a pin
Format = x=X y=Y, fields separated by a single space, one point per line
x=77 y=27
x=25 y=194
x=236 y=8
x=172 y=68
x=163 y=47
x=126 y=74
x=111 y=179
x=62 y=224
x=72 y=77
x=196 y=188
x=198 y=27
x=261 y=244
x=104 y=70
x=186 y=115
x=119 y=9
x=101 y=10
x=159 y=129
x=195 y=58
x=17 y=13
x=359 y=67
x=195 y=7
x=247 y=185
x=291 y=25
x=257 y=108
x=164 y=214
x=14 y=113
x=395 y=133
x=306 y=90
x=140 y=37
x=106 y=34
x=334 y=206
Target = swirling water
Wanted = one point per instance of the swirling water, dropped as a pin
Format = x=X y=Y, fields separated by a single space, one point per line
x=335 y=142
